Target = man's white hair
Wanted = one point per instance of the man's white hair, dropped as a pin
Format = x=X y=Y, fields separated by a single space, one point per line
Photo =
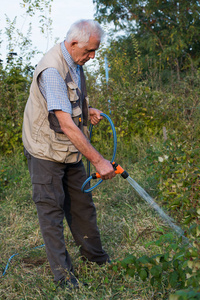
x=82 y=30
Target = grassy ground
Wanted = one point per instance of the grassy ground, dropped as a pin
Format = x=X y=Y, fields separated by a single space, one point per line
x=126 y=223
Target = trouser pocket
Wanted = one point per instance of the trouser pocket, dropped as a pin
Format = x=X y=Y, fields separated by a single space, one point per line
x=43 y=191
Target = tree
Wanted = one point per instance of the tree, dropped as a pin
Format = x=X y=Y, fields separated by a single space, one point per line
x=169 y=29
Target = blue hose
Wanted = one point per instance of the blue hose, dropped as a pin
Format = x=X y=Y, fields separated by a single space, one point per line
x=6 y=268
x=113 y=157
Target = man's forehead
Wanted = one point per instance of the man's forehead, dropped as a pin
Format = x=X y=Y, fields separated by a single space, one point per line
x=93 y=42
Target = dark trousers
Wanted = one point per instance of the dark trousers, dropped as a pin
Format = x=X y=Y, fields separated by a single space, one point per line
x=57 y=194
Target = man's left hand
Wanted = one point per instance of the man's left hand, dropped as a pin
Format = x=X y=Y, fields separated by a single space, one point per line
x=94 y=115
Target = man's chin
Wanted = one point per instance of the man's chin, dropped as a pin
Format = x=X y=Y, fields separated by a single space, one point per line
x=83 y=62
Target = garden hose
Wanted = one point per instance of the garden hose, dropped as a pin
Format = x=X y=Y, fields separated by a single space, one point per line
x=4 y=272
x=113 y=156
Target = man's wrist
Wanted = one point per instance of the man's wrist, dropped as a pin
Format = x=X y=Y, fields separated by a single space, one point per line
x=97 y=160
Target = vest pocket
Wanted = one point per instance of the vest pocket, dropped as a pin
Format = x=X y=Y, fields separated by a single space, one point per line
x=72 y=89
x=76 y=112
x=60 y=142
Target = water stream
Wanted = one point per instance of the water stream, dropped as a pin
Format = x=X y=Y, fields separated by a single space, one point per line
x=153 y=204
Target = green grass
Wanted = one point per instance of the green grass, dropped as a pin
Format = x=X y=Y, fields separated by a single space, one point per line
x=126 y=224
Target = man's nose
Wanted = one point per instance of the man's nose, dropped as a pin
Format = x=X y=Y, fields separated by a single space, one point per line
x=92 y=54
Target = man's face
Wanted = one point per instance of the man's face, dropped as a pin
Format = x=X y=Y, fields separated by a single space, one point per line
x=81 y=55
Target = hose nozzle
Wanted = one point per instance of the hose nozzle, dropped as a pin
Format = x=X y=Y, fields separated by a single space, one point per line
x=119 y=170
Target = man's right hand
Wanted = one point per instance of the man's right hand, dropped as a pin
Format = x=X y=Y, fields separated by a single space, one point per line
x=105 y=169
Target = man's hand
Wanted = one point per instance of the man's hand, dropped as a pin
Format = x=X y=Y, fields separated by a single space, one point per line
x=105 y=169
x=94 y=115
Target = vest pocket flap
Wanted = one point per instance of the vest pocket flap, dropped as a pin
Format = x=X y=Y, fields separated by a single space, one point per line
x=76 y=112
x=63 y=148
x=73 y=95
x=72 y=149
x=72 y=85
x=60 y=137
x=59 y=147
x=41 y=179
x=60 y=142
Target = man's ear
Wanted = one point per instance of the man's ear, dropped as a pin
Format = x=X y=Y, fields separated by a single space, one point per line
x=73 y=43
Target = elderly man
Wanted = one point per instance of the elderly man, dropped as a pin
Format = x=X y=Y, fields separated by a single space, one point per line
x=54 y=129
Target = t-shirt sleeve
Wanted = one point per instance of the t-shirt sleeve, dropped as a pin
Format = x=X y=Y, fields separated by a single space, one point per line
x=54 y=90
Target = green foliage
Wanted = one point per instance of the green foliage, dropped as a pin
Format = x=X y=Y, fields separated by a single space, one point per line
x=176 y=168
x=165 y=29
x=16 y=74
x=187 y=294
x=171 y=168
x=16 y=39
x=44 y=9
x=144 y=112
x=14 y=85
x=19 y=46
x=145 y=101
x=177 y=268
x=13 y=168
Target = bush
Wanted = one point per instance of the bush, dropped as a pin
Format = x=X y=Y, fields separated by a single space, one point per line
x=14 y=85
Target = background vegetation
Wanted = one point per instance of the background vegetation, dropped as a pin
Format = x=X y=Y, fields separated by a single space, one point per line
x=152 y=98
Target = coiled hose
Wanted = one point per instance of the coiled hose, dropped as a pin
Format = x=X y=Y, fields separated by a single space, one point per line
x=112 y=160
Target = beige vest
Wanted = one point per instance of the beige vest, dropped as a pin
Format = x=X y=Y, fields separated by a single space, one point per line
x=38 y=138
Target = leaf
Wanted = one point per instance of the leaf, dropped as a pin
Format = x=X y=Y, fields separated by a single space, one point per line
x=173 y=279
x=144 y=259
x=165 y=266
x=176 y=263
x=156 y=271
x=131 y=272
x=130 y=259
x=198 y=230
x=152 y=281
x=115 y=268
x=106 y=280
x=143 y=274
x=194 y=252
x=174 y=297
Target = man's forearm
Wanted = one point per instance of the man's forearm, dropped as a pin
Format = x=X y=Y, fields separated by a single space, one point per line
x=77 y=138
